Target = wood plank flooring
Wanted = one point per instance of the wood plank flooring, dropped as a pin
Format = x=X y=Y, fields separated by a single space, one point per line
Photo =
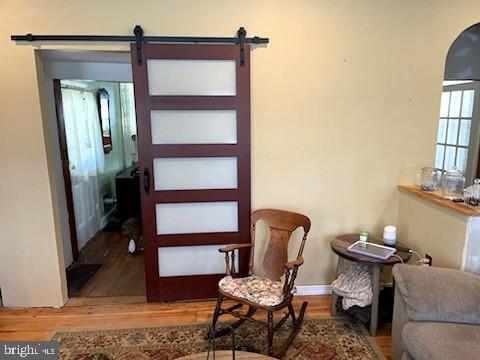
x=115 y=298
x=130 y=312
x=122 y=273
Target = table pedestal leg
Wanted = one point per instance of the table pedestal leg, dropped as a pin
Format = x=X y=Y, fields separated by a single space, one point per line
x=340 y=269
x=376 y=291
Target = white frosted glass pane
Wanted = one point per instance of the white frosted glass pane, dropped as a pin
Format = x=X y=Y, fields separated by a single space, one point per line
x=194 y=126
x=192 y=260
x=462 y=154
x=464 y=136
x=449 y=157
x=200 y=217
x=191 y=77
x=442 y=130
x=452 y=131
x=439 y=156
x=467 y=103
x=444 y=104
x=195 y=173
x=455 y=100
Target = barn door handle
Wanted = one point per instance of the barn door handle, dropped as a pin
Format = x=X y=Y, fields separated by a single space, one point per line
x=146 y=180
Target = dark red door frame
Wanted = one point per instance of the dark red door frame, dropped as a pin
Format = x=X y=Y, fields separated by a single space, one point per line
x=62 y=139
x=198 y=286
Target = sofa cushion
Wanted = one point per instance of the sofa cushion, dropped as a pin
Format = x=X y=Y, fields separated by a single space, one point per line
x=436 y=294
x=441 y=341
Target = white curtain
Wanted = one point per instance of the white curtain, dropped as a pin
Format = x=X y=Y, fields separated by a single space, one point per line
x=84 y=137
x=127 y=101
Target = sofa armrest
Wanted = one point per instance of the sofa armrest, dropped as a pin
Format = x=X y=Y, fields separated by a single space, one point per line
x=400 y=319
x=436 y=294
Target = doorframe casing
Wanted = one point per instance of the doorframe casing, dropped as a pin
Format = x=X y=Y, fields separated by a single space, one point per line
x=104 y=63
x=62 y=139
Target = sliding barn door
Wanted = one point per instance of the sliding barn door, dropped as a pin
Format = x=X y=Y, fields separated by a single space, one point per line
x=193 y=115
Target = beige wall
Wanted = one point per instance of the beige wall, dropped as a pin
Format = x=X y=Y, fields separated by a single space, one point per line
x=344 y=106
x=427 y=227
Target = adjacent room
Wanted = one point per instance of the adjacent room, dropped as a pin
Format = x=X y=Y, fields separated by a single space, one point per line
x=97 y=131
x=255 y=180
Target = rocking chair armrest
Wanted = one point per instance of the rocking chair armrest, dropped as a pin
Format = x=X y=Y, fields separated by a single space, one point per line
x=233 y=247
x=229 y=252
x=294 y=263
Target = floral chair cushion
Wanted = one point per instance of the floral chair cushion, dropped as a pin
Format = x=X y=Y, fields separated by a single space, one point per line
x=255 y=289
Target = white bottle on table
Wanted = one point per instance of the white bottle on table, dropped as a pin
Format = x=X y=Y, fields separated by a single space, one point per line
x=390 y=235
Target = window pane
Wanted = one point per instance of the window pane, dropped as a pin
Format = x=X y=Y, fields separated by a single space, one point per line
x=452 y=131
x=455 y=99
x=444 y=104
x=439 y=156
x=462 y=154
x=467 y=103
x=464 y=136
x=442 y=130
x=449 y=157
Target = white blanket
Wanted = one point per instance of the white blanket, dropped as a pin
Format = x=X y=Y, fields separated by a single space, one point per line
x=355 y=286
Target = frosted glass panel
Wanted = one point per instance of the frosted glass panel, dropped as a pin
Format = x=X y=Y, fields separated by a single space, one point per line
x=195 y=173
x=467 y=103
x=191 y=77
x=201 y=217
x=194 y=126
x=455 y=100
x=442 y=130
x=192 y=260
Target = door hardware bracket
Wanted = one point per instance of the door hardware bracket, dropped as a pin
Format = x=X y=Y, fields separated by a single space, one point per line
x=242 y=34
x=138 y=31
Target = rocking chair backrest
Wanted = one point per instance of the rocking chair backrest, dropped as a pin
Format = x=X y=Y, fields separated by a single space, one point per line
x=281 y=224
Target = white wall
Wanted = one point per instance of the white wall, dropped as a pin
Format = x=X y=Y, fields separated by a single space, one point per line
x=429 y=228
x=345 y=102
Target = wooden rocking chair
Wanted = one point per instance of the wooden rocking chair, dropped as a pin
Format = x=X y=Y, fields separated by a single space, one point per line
x=268 y=292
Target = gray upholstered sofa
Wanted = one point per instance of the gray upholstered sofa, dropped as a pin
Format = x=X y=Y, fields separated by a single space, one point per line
x=436 y=314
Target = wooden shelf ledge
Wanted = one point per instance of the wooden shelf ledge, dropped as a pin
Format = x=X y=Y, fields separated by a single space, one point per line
x=436 y=198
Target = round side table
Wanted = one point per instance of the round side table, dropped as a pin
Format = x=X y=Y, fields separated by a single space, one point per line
x=339 y=246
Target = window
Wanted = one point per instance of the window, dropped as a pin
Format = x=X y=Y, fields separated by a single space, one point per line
x=457 y=138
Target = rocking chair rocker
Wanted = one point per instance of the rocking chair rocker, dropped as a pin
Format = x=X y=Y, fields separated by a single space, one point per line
x=268 y=292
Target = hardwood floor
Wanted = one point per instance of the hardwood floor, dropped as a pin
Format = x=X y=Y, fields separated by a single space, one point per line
x=122 y=273
x=129 y=312
x=115 y=298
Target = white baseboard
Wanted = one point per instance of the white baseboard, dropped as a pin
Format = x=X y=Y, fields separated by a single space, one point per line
x=314 y=289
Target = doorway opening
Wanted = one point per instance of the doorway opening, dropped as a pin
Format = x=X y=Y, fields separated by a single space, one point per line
x=458 y=137
x=98 y=144
x=194 y=162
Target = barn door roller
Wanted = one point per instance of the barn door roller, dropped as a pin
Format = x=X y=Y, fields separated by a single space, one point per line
x=241 y=39
x=138 y=31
